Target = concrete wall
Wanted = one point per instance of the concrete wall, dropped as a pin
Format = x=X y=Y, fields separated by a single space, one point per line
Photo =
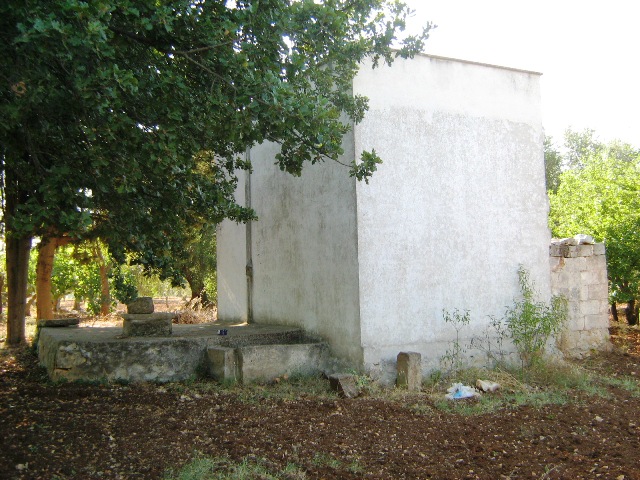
x=304 y=251
x=579 y=273
x=457 y=205
x=232 y=263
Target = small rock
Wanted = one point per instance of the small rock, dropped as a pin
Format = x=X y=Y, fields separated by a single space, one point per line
x=599 y=419
x=487 y=385
x=20 y=466
x=344 y=384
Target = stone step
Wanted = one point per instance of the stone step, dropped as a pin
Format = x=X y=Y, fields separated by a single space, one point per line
x=255 y=363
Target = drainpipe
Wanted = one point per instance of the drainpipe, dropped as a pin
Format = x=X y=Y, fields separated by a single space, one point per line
x=249 y=252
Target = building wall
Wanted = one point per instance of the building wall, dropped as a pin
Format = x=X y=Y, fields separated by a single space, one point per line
x=457 y=205
x=303 y=251
x=231 y=264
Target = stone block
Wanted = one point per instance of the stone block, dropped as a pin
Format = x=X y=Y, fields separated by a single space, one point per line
x=596 y=322
x=591 y=307
x=140 y=305
x=598 y=291
x=258 y=363
x=345 y=384
x=599 y=249
x=555 y=250
x=58 y=322
x=584 y=250
x=569 y=251
x=223 y=364
x=150 y=325
x=409 y=368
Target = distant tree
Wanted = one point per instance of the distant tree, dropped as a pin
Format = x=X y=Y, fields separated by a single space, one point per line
x=104 y=106
x=602 y=198
x=579 y=146
x=552 y=164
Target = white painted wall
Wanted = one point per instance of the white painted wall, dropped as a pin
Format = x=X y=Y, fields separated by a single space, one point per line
x=304 y=250
x=457 y=205
x=231 y=264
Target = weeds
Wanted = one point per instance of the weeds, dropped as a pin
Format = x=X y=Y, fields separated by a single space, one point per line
x=453 y=360
x=531 y=323
x=222 y=468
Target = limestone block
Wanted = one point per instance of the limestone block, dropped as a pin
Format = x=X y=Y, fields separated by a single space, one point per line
x=555 y=250
x=69 y=356
x=147 y=325
x=222 y=364
x=596 y=322
x=58 y=322
x=599 y=249
x=590 y=307
x=598 y=292
x=140 y=305
x=590 y=277
x=409 y=367
x=569 y=251
x=345 y=384
x=584 y=250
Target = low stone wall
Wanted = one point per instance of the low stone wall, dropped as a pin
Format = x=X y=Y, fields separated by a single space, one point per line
x=579 y=273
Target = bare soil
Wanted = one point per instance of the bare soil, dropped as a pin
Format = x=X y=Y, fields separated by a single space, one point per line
x=88 y=431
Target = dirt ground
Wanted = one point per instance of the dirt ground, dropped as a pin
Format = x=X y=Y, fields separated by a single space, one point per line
x=88 y=431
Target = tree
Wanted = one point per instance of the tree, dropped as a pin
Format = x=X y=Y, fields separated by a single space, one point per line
x=552 y=164
x=105 y=105
x=602 y=198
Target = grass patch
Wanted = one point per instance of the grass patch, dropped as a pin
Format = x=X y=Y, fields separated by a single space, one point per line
x=223 y=468
x=539 y=385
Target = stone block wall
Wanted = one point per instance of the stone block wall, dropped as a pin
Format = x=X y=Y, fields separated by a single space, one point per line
x=579 y=273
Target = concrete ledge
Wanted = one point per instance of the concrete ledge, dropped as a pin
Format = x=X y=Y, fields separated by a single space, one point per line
x=104 y=354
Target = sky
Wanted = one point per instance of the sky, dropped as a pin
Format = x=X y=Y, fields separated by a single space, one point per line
x=588 y=52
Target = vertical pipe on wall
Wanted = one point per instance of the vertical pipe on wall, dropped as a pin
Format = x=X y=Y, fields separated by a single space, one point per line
x=249 y=252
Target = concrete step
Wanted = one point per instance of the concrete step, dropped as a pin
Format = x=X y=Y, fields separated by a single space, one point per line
x=255 y=363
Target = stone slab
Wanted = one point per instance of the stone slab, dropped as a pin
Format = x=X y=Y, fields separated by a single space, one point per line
x=259 y=363
x=59 y=322
x=147 y=325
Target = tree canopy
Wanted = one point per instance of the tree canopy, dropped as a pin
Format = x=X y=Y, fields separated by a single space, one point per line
x=600 y=196
x=108 y=107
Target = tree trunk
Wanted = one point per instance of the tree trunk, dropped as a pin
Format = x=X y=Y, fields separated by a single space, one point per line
x=1 y=289
x=614 y=311
x=45 y=303
x=46 y=254
x=197 y=290
x=17 y=275
x=105 y=293
x=630 y=312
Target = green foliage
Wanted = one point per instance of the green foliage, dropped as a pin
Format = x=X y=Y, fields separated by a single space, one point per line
x=128 y=120
x=531 y=323
x=124 y=287
x=223 y=468
x=453 y=360
x=602 y=199
x=552 y=164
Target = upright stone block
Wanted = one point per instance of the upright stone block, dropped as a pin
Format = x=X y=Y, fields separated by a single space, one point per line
x=345 y=384
x=223 y=364
x=409 y=371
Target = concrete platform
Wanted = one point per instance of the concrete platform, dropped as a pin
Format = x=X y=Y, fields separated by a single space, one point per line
x=253 y=352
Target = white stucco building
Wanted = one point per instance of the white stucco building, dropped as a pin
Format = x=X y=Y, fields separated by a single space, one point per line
x=458 y=204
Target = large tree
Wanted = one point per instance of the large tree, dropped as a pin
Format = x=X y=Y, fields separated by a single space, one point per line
x=105 y=104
